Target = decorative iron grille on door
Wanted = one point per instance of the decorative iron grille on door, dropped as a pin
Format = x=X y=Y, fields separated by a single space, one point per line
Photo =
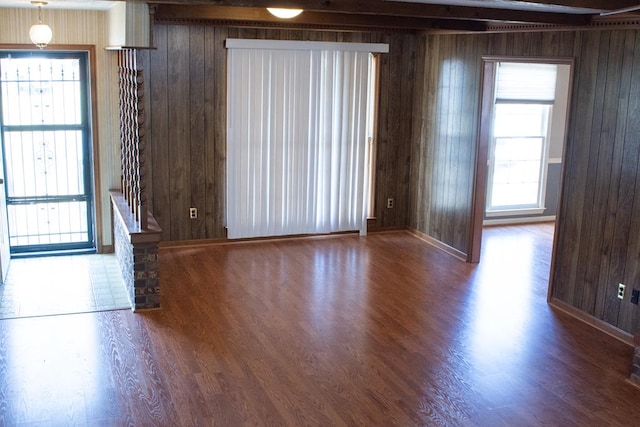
x=46 y=149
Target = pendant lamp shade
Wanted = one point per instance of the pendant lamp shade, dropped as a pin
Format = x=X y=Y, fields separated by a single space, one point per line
x=40 y=35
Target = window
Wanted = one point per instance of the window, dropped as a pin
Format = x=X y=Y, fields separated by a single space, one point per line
x=524 y=101
x=299 y=131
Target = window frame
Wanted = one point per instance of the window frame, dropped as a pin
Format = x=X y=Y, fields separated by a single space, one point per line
x=521 y=99
x=520 y=209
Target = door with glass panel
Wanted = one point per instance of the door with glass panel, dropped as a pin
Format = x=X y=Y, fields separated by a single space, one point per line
x=46 y=148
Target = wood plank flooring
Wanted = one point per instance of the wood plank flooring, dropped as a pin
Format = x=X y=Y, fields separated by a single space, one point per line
x=382 y=330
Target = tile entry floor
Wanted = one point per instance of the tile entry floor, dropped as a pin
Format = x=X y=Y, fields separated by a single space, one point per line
x=62 y=285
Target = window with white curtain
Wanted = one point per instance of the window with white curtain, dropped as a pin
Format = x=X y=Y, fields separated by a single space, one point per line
x=300 y=120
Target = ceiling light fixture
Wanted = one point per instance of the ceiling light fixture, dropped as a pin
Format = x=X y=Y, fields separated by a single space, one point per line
x=284 y=13
x=40 y=34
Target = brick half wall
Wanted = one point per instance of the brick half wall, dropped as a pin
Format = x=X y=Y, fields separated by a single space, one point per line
x=137 y=254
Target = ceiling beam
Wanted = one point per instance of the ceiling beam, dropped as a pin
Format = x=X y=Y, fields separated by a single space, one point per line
x=251 y=16
x=605 y=5
x=392 y=8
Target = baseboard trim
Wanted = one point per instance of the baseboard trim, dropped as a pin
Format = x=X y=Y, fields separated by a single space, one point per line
x=590 y=320
x=634 y=381
x=106 y=249
x=375 y=229
x=190 y=243
x=524 y=220
x=438 y=244
x=224 y=241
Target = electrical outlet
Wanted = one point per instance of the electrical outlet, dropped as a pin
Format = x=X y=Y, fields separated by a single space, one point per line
x=621 y=287
x=390 y=203
x=193 y=213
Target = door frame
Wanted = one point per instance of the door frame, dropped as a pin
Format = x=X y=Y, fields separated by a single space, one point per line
x=92 y=91
x=488 y=76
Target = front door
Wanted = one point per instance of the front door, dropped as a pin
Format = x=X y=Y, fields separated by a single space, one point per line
x=5 y=254
x=46 y=148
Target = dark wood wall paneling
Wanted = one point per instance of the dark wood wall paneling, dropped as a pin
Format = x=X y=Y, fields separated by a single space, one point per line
x=599 y=222
x=187 y=110
x=445 y=137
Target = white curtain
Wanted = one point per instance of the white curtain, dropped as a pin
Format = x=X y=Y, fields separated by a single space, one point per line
x=298 y=123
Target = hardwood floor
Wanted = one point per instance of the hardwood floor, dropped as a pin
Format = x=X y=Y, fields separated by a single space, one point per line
x=383 y=330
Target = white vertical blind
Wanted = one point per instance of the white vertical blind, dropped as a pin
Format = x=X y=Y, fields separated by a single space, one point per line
x=297 y=141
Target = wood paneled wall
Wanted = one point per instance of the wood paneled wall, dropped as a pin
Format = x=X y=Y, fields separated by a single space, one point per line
x=446 y=121
x=187 y=124
x=426 y=154
x=599 y=222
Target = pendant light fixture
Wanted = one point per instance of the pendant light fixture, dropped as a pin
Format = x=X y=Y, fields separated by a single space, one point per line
x=40 y=34
x=284 y=13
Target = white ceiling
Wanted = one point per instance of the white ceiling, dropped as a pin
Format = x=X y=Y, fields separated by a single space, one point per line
x=63 y=4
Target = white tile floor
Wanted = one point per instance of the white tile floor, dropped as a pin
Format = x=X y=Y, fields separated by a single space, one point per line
x=62 y=285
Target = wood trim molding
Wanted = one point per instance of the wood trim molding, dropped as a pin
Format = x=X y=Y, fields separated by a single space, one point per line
x=601 y=325
x=106 y=249
x=152 y=234
x=482 y=153
x=177 y=244
x=618 y=22
x=224 y=241
x=438 y=244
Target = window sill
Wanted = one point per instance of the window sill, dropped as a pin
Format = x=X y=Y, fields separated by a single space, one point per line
x=515 y=212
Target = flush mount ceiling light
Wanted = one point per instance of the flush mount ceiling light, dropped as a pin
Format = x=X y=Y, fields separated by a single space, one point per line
x=284 y=13
x=40 y=34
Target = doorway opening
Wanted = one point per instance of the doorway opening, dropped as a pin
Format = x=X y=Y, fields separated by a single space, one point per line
x=522 y=134
x=47 y=203
x=45 y=125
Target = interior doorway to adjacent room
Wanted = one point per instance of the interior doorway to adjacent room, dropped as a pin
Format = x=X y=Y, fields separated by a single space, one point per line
x=522 y=133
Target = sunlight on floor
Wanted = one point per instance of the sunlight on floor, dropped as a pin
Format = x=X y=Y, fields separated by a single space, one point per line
x=62 y=285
